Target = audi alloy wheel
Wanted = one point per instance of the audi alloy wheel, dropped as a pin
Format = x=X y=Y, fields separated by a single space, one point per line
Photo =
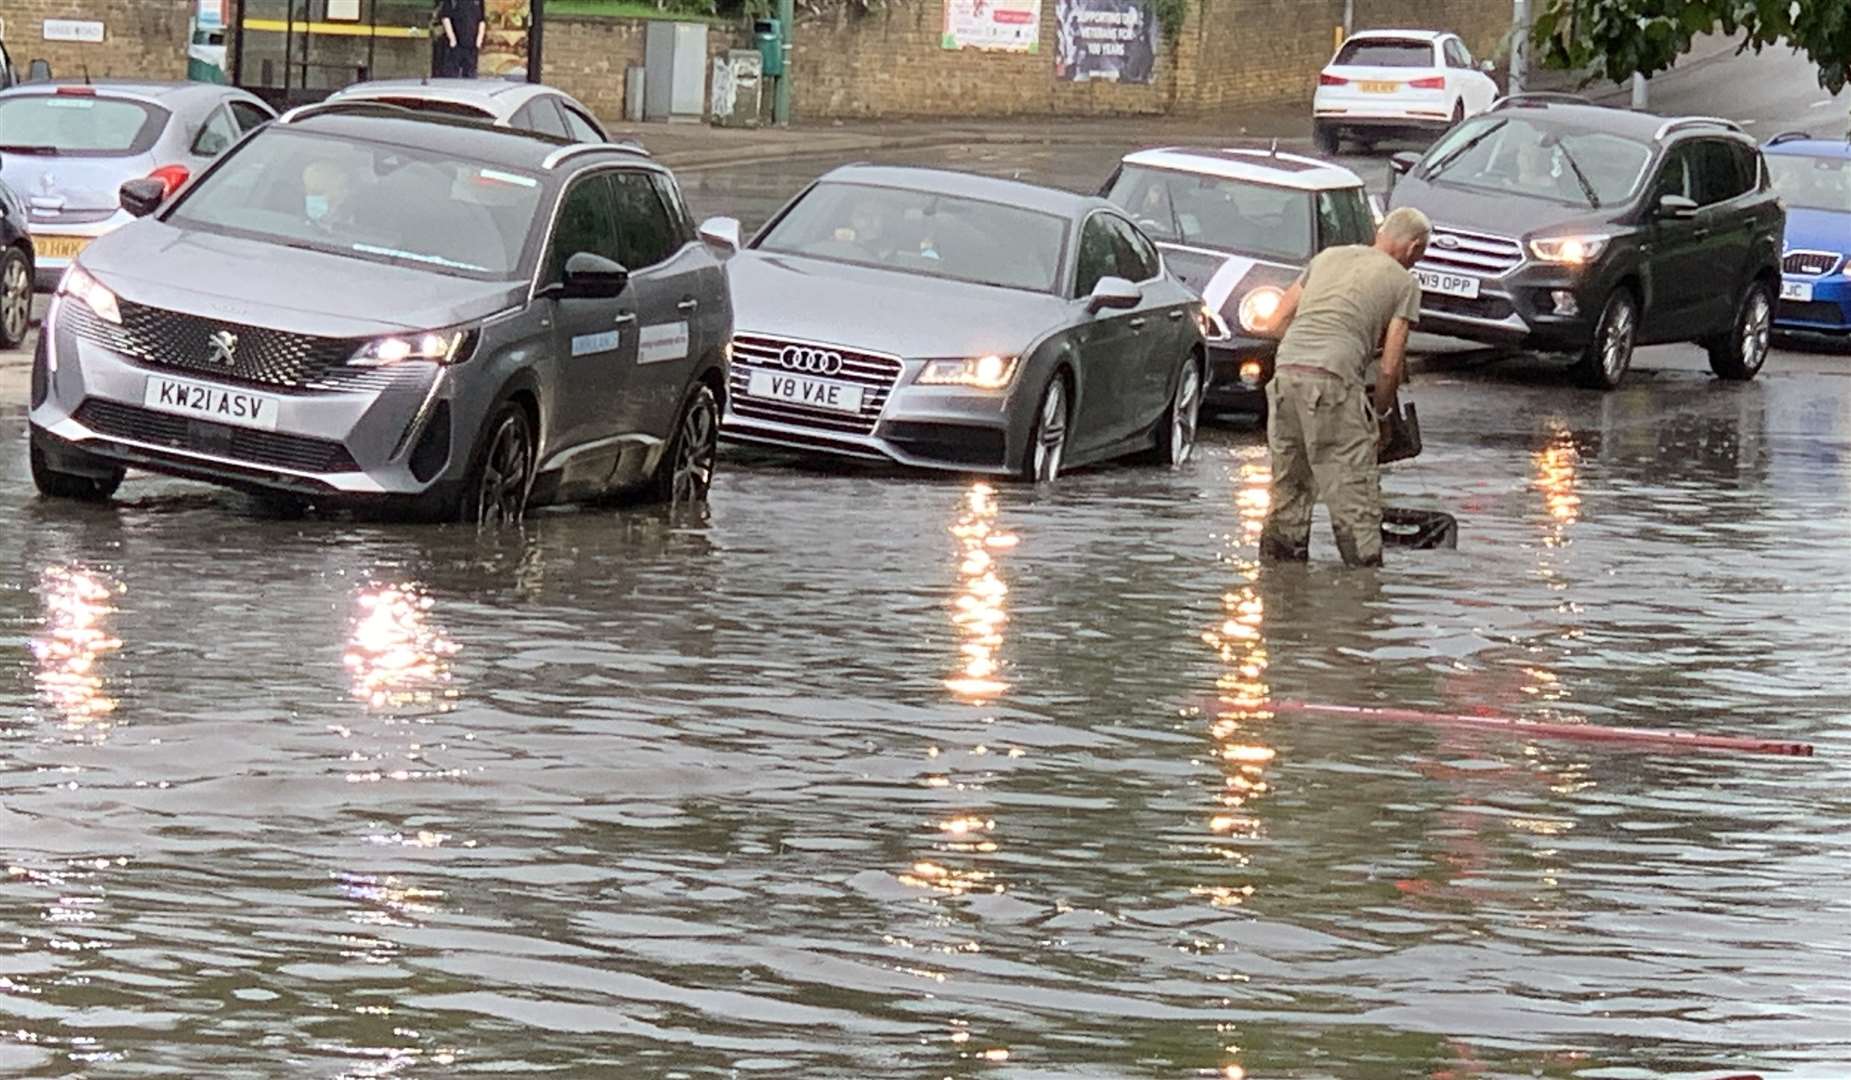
x=1048 y=439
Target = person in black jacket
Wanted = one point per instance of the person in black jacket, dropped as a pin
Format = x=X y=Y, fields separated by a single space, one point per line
x=440 y=45
x=464 y=29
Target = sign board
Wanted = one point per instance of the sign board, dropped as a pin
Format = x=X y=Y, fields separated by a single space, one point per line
x=1108 y=40
x=1004 y=25
x=73 y=30
x=343 y=10
x=210 y=14
x=505 y=44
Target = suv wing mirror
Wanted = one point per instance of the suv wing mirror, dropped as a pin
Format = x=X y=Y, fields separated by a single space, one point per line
x=592 y=277
x=1113 y=294
x=142 y=196
x=722 y=233
x=1676 y=206
x=1403 y=162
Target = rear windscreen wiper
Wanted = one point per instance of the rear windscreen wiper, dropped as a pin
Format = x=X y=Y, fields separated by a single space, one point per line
x=1459 y=151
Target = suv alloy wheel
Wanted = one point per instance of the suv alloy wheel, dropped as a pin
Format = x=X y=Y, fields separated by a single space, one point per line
x=1739 y=353
x=1606 y=359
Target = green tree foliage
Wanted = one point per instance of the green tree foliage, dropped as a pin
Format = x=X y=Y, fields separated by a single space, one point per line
x=1620 y=38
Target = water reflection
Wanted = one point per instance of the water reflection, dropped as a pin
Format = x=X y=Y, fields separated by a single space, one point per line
x=979 y=611
x=77 y=608
x=1243 y=703
x=1557 y=478
x=396 y=655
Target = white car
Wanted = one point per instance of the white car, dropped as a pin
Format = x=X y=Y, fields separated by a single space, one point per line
x=1385 y=83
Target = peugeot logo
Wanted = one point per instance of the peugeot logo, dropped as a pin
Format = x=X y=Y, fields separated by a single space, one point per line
x=222 y=348
x=1447 y=242
x=811 y=361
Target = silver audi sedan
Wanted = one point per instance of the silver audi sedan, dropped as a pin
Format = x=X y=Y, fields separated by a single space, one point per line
x=949 y=321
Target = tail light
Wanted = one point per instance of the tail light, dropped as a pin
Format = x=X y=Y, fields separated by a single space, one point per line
x=173 y=177
x=1332 y=80
x=1435 y=83
x=76 y=91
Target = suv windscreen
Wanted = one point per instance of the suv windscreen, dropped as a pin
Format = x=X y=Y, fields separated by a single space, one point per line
x=369 y=201
x=1381 y=52
x=1522 y=157
x=1812 y=183
x=923 y=232
x=1235 y=215
x=78 y=125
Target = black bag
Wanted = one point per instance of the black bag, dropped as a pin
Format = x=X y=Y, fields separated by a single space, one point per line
x=1422 y=530
x=1402 y=440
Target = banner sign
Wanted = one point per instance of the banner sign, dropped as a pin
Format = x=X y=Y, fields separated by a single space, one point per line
x=1109 y=40
x=504 y=46
x=1005 y=25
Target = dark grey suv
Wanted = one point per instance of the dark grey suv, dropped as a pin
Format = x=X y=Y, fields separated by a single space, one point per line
x=362 y=305
x=1562 y=226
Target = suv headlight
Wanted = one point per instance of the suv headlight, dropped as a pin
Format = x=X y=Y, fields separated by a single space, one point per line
x=1259 y=307
x=438 y=346
x=983 y=372
x=78 y=284
x=1568 y=250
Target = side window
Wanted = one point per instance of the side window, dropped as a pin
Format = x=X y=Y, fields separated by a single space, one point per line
x=217 y=133
x=248 y=115
x=539 y=115
x=1136 y=258
x=1098 y=255
x=587 y=222
x=1720 y=174
x=1674 y=177
x=1751 y=167
x=647 y=235
x=579 y=126
x=677 y=207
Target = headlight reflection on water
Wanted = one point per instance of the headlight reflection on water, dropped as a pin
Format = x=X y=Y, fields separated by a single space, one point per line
x=397 y=656
x=979 y=613
x=68 y=652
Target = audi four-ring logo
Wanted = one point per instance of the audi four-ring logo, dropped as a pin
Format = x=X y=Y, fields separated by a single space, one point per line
x=811 y=361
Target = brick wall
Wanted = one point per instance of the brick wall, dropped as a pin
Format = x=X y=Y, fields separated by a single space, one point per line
x=586 y=58
x=141 y=38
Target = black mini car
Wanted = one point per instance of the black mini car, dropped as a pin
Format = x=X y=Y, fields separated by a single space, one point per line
x=1563 y=226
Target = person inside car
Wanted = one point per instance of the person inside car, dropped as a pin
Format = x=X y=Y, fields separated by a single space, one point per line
x=326 y=195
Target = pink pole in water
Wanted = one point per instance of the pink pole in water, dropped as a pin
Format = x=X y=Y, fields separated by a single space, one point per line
x=1542 y=730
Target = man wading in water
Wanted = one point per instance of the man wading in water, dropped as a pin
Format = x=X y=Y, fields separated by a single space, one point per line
x=1321 y=427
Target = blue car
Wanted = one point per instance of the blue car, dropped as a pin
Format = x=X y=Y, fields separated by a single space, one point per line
x=1813 y=177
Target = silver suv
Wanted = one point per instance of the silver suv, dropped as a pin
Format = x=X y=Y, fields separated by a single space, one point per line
x=361 y=305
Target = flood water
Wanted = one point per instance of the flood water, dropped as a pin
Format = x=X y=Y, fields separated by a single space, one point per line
x=868 y=775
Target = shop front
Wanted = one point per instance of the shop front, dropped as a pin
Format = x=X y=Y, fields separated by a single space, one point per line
x=290 y=52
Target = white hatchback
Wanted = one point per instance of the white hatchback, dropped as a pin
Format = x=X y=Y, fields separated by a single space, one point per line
x=1385 y=83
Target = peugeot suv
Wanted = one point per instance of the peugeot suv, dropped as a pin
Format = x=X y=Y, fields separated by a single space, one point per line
x=1637 y=230
x=365 y=305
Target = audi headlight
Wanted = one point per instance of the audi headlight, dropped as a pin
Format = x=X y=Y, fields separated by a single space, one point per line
x=1568 y=250
x=1259 y=307
x=438 y=346
x=78 y=284
x=1214 y=327
x=983 y=372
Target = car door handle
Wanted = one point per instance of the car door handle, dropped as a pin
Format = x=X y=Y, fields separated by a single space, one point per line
x=1138 y=323
x=625 y=318
x=1175 y=314
x=688 y=305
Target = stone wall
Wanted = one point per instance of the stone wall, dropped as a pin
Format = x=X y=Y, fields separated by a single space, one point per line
x=141 y=38
x=586 y=58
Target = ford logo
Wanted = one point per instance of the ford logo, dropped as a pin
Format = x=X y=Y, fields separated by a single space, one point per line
x=1447 y=242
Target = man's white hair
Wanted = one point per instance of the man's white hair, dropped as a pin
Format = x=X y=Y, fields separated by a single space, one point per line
x=1407 y=224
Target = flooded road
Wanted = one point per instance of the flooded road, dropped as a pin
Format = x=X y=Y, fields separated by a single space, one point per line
x=863 y=775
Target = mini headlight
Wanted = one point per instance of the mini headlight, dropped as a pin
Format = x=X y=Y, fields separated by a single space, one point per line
x=438 y=346
x=80 y=285
x=1258 y=308
x=1568 y=250
x=983 y=372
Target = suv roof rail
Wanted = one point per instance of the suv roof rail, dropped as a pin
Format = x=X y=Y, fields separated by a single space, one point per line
x=1539 y=97
x=301 y=112
x=1682 y=122
x=559 y=156
x=1789 y=136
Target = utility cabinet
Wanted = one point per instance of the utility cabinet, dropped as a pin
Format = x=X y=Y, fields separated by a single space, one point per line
x=675 y=70
x=736 y=82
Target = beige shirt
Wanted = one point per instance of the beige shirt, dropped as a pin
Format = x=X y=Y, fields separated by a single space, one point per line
x=1350 y=294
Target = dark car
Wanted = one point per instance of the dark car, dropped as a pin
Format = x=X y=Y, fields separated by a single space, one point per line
x=16 y=269
x=1635 y=230
x=363 y=305
x=1238 y=227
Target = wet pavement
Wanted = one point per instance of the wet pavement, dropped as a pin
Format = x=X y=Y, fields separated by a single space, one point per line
x=871 y=775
